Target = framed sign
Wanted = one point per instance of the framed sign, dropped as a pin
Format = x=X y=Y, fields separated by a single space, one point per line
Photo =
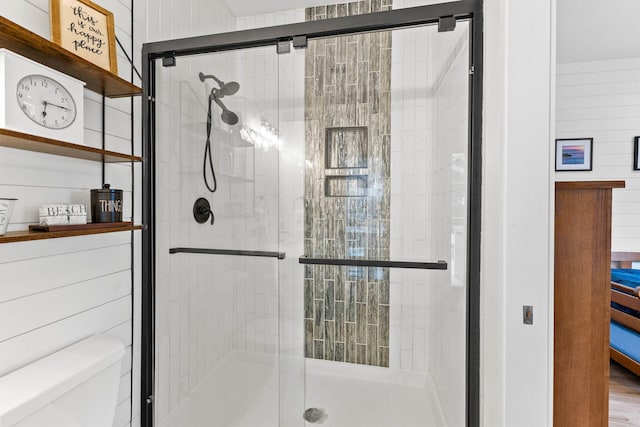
x=574 y=154
x=85 y=29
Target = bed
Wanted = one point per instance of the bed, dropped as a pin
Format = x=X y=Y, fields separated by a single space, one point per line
x=624 y=346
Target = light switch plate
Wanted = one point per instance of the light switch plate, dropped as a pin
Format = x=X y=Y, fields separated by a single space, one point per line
x=527 y=314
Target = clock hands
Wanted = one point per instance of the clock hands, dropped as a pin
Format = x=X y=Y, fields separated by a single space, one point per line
x=45 y=103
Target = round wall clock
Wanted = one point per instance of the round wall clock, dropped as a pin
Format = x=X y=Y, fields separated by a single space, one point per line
x=45 y=101
x=38 y=100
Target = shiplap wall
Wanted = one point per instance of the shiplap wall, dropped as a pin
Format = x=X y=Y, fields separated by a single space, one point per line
x=601 y=100
x=56 y=292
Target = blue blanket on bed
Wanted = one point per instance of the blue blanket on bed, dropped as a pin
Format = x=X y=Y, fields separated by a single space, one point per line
x=626 y=276
x=625 y=341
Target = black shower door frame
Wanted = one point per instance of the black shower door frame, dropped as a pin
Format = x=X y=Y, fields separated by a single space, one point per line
x=298 y=34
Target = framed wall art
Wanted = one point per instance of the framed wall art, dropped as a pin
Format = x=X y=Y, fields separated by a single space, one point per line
x=636 y=154
x=86 y=29
x=574 y=154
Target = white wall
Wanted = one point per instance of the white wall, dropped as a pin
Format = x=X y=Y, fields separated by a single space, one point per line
x=601 y=100
x=410 y=235
x=56 y=292
x=516 y=360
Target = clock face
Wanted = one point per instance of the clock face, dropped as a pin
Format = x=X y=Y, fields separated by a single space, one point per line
x=45 y=101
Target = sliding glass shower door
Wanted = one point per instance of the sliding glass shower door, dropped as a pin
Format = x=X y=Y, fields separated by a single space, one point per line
x=386 y=154
x=311 y=231
x=217 y=240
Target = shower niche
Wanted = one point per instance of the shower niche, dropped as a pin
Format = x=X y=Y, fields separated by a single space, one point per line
x=346 y=150
x=346 y=147
x=345 y=186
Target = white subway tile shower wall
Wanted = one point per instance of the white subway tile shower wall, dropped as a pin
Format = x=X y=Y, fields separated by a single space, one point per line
x=246 y=204
x=256 y=303
x=279 y=173
x=194 y=293
x=242 y=313
x=447 y=321
x=429 y=134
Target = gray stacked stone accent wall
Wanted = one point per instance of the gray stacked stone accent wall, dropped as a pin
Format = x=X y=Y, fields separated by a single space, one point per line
x=347 y=191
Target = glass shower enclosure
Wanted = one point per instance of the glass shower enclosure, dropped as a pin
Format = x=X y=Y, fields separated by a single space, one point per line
x=312 y=209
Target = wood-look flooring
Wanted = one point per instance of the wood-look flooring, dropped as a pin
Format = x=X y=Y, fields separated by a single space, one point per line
x=624 y=397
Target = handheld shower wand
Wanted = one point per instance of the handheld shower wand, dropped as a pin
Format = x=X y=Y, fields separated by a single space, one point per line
x=227 y=116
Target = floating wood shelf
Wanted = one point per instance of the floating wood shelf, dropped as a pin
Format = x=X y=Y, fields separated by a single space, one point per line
x=24 y=236
x=32 y=46
x=23 y=141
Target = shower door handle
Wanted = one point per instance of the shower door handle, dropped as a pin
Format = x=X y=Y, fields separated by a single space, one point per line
x=438 y=265
x=232 y=252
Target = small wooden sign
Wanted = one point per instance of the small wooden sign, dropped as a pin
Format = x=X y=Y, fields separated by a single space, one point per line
x=62 y=214
x=85 y=29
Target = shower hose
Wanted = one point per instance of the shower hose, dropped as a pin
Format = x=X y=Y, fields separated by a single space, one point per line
x=208 y=159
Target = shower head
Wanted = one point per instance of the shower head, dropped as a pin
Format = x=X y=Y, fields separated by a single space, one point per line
x=230 y=88
x=227 y=116
x=225 y=89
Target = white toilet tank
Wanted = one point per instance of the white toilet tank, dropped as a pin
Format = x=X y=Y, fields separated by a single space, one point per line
x=74 y=387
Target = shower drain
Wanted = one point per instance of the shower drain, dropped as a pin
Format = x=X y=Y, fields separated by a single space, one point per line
x=314 y=415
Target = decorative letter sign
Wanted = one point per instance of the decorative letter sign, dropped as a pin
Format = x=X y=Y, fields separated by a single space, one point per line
x=85 y=29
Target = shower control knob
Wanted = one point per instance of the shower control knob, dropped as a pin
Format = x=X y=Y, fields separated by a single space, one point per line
x=315 y=415
x=202 y=211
